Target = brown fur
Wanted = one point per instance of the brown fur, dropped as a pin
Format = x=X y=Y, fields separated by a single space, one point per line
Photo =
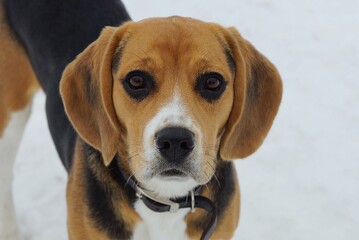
x=258 y=92
x=90 y=73
x=17 y=79
x=163 y=57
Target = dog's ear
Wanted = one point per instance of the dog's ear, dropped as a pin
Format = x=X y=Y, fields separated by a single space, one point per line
x=257 y=95
x=86 y=91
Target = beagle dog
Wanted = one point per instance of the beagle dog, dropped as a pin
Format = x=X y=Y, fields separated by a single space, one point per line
x=145 y=116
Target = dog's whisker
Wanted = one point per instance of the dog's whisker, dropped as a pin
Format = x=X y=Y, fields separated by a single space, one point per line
x=217 y=180
x=128 y=179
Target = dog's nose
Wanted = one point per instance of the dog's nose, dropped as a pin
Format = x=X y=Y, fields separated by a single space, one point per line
x=175 y=143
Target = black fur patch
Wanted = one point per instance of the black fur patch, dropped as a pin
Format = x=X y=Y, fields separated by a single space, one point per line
x=224 y=187
x=53 y=33
x=100 y=195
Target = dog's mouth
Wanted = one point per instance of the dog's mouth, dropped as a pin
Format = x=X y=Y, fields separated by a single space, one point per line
x=173 y=172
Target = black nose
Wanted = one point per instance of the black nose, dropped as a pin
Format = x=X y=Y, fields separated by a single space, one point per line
x=175 y=143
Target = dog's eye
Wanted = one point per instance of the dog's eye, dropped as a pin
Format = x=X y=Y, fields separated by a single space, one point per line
x=210 y=86
x=138 y=84
x=212 y=83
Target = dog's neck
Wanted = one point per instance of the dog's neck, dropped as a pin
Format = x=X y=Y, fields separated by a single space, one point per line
x=160 y=204
x=106 y=187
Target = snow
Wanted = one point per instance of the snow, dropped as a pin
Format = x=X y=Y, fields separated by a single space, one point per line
x=303 y=183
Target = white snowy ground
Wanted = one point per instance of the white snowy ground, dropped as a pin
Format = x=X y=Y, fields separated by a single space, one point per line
x=304 y=181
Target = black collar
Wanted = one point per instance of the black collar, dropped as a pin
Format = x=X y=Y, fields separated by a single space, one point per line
x=160 y=204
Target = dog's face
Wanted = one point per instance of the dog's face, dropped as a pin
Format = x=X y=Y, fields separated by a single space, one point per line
x=173 y=93
x=170 y=96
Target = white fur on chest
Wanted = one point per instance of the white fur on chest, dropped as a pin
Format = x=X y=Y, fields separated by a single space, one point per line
x=160 y=226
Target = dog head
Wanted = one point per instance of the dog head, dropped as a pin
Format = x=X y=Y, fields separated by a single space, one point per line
x=171 y=96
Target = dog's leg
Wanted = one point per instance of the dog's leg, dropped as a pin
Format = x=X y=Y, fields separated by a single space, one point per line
x=9 y=144
x=18 y=85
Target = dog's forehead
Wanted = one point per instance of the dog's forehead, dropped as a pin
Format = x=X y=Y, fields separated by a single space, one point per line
x=174 y=41
x=174 y=30
x=174 y=34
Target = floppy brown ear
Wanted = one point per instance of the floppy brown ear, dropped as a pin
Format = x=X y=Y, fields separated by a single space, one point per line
x=86 y=91
x=257 y=95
